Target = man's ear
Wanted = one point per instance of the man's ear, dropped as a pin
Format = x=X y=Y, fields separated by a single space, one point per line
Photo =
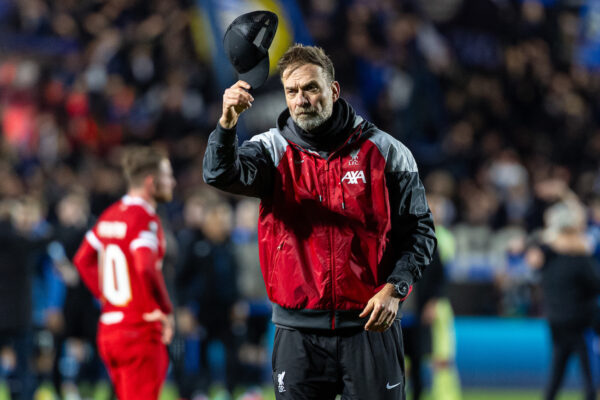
x=335 y=90
x=150 y=183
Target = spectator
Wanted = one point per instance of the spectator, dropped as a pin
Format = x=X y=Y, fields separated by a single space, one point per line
x=253 y=310
x=570 y=283
x=20 y=250
x=438 y=313
x=76 y=359
x=207 y=286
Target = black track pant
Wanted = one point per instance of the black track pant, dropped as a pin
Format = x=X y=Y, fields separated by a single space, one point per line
x=567 y=340
x=318 y=365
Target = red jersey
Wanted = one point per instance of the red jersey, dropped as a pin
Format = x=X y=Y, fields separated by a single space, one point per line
x=120 y=261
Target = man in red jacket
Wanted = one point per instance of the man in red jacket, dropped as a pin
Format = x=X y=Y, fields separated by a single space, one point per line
x=120 y=261
x=344 y=231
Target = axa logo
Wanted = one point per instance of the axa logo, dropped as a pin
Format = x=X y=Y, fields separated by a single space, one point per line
x=354 y=176
x=280 y=385
x=354 y=157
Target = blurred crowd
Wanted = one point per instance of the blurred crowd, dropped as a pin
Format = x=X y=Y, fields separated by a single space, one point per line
x=487 y=94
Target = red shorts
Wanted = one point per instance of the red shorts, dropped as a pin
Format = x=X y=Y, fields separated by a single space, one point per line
x=136 y=360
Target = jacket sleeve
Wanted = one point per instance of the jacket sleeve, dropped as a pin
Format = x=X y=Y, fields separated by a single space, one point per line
x=413 y=232
x=246 y=170
x=591 y=278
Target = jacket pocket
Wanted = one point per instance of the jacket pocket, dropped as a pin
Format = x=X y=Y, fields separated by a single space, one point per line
x=275 y=261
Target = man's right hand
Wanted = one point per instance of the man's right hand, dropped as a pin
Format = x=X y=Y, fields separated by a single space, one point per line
x=167 y=321
x=236 y=100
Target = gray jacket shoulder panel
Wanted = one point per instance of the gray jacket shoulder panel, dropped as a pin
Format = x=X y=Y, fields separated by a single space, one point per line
x=398 y=158
x=274 y=143
x=358 y=120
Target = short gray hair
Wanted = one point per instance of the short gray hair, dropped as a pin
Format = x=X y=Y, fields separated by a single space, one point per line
x=566 y=215
x=299 y=55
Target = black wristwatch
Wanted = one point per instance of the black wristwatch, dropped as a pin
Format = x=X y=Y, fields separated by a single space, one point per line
x=401 y=289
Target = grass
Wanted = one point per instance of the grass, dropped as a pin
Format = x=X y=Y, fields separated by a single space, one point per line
x=511 y=394
x=169 y=392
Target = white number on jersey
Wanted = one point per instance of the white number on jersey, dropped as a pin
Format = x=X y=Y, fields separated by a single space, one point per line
x=116 y=286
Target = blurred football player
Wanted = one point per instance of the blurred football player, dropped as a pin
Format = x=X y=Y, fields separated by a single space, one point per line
x=120 y=261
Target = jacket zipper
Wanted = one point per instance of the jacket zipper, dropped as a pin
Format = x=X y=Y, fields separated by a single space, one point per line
x=358 y=131
x=331 y=248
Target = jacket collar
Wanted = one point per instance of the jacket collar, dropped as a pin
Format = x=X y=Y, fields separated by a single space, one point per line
x=327 y=138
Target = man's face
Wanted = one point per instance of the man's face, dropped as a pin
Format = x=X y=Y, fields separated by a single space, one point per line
x=164 y=182
x=73 y=211
x=309 y=95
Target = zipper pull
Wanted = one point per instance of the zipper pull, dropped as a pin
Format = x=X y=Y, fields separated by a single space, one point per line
x=343 y=205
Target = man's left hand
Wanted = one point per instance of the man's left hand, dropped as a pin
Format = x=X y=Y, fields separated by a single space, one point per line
x=383 y=308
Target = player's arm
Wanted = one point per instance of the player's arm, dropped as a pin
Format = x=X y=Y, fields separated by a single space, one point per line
x=245 y=169
x=145 y=262
x=86 y=262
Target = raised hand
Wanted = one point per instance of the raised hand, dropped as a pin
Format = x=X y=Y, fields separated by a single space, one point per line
x=236 y=100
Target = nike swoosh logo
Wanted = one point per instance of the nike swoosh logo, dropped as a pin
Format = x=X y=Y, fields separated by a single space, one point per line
x=299 y=162
x=388 y=386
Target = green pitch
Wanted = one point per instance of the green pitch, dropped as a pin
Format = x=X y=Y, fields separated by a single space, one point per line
x=170 y=393
x=497 y=394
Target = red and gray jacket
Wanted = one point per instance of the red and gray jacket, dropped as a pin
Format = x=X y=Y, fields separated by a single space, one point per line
x=331 y=230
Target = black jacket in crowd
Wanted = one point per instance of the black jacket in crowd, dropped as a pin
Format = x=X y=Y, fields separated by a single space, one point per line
x=570 y=284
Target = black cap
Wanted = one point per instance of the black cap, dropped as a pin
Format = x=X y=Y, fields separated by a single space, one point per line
x=248 y=52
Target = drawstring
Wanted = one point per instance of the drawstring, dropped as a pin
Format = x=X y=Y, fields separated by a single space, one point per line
x=341 y=182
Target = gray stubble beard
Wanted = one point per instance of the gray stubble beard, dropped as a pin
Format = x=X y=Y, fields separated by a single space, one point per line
x=308 y=123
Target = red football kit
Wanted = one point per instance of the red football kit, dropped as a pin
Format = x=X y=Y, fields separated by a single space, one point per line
x=120 y=261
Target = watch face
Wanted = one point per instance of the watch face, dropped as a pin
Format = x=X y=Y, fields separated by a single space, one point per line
x=402 y=289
